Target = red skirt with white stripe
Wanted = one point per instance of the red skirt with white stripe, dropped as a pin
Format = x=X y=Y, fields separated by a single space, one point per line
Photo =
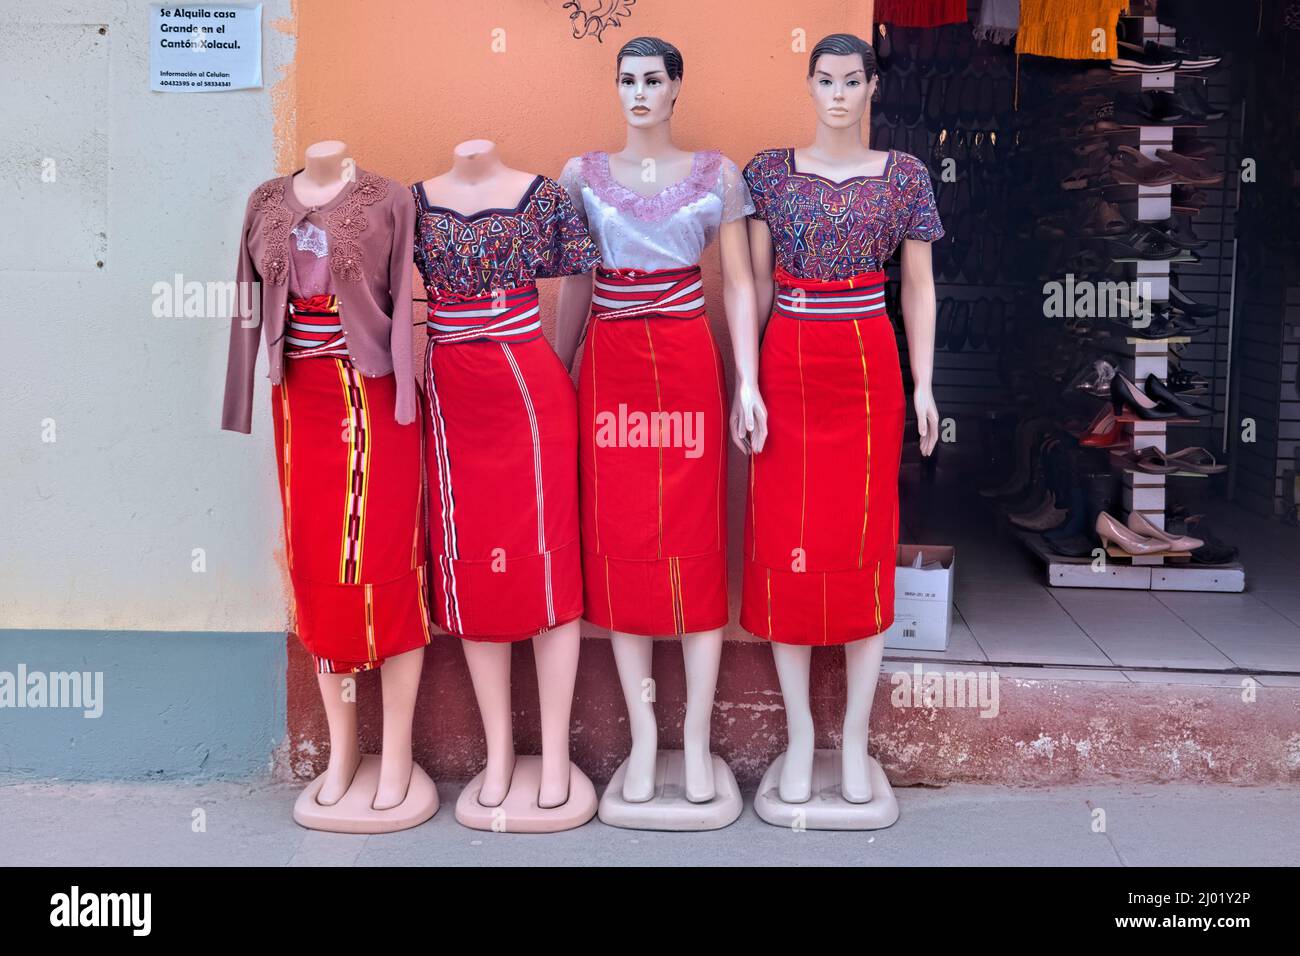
x=350 y=487
x=821 y=521
x=651 y=406
x=502 y=466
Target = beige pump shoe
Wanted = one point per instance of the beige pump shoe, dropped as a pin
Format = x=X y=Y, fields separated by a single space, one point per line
x=1112 y=532
x=1137 y=522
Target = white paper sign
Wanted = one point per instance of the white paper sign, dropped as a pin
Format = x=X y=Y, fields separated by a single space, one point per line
x=204 y=48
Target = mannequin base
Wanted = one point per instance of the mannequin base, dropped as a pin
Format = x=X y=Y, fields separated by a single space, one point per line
x=519 y=812
x=669 y=809
x=826 y=809
x=355 y=813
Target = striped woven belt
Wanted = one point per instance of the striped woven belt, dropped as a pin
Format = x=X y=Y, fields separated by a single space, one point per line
x=314 y=327
x=859 y=297
x=633 y=294
x=504 y=316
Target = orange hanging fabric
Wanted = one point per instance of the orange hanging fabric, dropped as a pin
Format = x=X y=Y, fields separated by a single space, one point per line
x=1078 y=30
x=920 y=13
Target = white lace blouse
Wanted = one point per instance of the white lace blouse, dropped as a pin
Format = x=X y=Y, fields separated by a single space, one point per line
x=666 y=230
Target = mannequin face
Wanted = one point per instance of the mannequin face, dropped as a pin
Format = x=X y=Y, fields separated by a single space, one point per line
x=840 y=90
x=645 y=91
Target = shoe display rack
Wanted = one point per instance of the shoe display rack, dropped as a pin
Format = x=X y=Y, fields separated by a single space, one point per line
x=1144 y=492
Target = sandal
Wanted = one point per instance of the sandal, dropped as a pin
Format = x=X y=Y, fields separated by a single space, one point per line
x=1198 y=460
x=1150 y=460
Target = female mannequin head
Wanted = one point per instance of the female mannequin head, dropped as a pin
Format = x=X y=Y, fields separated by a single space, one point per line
x=841 y=79
x=649 y=79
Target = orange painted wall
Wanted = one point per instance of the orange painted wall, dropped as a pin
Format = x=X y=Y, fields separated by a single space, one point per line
x=403 y=81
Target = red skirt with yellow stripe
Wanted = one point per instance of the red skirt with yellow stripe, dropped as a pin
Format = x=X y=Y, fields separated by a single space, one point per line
x=653 y=457
x=821 y=520
x=350 y=486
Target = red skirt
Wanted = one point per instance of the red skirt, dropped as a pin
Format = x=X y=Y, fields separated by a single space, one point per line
x=502 y=466
x=350 y=488
x=821 y=521
x=651 y=406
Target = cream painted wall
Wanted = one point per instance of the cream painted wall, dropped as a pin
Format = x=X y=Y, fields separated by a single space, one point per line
x=98 y=527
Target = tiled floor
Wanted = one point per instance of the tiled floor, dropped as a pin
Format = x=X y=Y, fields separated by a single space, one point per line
x=1006 y=614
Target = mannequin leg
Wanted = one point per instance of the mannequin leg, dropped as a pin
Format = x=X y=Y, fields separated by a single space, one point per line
x=556 y=653
x=345 y=750
x=862 y=665
x=489 y=669
x=792 y=668
x=633 y=655
x=702 y=652
x=401 y=681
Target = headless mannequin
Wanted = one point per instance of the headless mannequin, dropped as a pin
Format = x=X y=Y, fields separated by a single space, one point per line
x=647 y=96
x=325 y=174
x=479 y=180
x=841 y=95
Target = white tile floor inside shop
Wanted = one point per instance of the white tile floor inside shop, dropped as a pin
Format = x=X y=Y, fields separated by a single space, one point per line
x=1006 y=614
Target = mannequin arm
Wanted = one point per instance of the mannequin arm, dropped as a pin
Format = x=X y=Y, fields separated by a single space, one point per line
x=571 y=315
x=918 y=302
x=760 y=257
x=748 y=414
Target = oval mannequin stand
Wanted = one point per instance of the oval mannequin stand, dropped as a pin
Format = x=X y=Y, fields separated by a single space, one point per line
x=669 y=809
x=354 y=813
x=519 y=812
x=827 y=809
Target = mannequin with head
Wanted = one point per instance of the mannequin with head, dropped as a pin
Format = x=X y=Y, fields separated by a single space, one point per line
x=840 y=164
x=653 y=208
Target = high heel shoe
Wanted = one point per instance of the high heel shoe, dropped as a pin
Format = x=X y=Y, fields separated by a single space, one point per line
x=1110 y=531
x=1123 y=393
x=1138 y=524
x=1104 y=433
x=1157 y=391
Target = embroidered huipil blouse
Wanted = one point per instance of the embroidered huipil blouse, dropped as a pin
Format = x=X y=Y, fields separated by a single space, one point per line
x=370 y=230
x=666 y=230
x=542 y=237
x=822 y=229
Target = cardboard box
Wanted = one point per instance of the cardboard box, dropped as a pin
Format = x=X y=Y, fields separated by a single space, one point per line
x=922 y=599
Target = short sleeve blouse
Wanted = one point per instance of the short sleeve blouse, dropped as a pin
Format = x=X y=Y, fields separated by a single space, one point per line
x=823 y=229
x=543 y=237
x=665 y=230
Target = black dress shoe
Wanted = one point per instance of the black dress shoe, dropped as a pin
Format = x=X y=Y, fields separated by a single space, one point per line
x=1177 y=230
x=1189 y=305
x=960 y=327
x=1150 y=108
x=934 y=93
x=910 y=110
x=1158 y=391
x=1125 y=396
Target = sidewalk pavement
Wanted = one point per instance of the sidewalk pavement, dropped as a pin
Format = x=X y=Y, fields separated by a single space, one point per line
x=251 y=824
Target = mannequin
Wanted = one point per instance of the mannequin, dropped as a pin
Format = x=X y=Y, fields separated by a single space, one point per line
x=358 y=576
x=501 y=456
x=653 y=208
x=838 y=587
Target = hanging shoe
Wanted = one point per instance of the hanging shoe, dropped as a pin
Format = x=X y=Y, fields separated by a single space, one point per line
x=1188 y=304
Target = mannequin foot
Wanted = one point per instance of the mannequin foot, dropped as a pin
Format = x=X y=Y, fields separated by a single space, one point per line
x=496 y=780
x=699 y=774
x=855 y=771
x=796 y=773
x=394 y=782
x=338 y=776
x=554 y=789
x=639 y=781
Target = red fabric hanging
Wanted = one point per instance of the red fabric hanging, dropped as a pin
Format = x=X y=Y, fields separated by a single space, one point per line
x=920 y=13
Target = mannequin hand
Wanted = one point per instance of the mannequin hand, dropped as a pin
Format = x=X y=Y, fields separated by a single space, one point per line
x=927 y=419
x=748 y=419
